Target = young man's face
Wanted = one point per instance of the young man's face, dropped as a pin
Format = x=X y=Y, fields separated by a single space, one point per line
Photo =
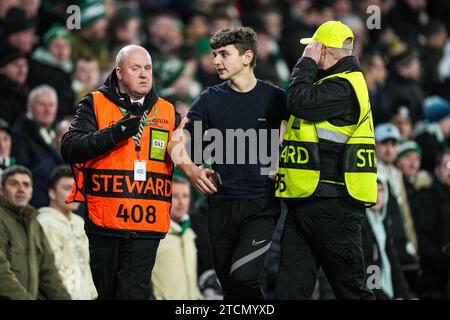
x=229 y=62
x=409 y=164
x=387 y=150
x=59 y=194
x=18 y=190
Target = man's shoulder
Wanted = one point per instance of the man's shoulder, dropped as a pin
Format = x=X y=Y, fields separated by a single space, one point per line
x=217 y=89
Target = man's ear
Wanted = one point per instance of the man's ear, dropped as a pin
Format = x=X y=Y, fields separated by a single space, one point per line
x=52 y=194
x=248 y=57
x=119 y=73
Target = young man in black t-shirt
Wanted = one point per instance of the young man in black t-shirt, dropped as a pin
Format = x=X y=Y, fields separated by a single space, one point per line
x=242 y=211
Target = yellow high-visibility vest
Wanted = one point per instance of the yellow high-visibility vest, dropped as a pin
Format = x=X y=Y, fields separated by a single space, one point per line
x=299 y=170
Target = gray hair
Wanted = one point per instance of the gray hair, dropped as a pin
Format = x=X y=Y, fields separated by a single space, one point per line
x=37 y=91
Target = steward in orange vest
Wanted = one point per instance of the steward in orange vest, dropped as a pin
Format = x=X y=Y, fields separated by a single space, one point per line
x=123 y=174
x=104 y=168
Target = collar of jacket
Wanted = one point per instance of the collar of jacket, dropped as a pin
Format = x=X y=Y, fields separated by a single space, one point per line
x=18 y=213
x=350 y=64
x=111 y=85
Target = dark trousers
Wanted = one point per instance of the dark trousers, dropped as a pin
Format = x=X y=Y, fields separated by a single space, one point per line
x=325 y=232
x=240 y=234
x=121 y=268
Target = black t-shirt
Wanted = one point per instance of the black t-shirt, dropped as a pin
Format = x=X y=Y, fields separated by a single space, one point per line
x=220 y=107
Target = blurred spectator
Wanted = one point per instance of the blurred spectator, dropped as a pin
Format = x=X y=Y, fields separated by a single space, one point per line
x=90 y=40
x=434 y=39
x=375 y=73
x=408 y=161
x=31 y=7
x=43 y=169
x=379 y=248
x=219 y=20
x=27 y=264
x=431 y=209
x=124 y=28
x=387 y=138
x=13 y=91
x=433 y=134
x=303 y=19
x=165 y=36
x=66 y=235
x=174 y=275
x=359 y=29
x=85 y=78
x=403 y=82
x=174 y=76
x=51 y=65
x=6 y=160
x=206 y=73
x=272 y=18
x=19 y=31
x=33 y=134
x=197 y=28
x=271 y=66
x=407 y=18
x=402 y=120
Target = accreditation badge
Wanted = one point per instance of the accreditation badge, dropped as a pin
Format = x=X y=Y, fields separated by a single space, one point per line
x=140 y=170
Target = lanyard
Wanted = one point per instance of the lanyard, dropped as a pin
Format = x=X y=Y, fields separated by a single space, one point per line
x=144 y=122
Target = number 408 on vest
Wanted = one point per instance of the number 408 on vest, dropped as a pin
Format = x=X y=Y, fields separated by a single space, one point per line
x=137 y=214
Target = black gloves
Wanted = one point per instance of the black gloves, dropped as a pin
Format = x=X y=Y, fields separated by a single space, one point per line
x=125 y=128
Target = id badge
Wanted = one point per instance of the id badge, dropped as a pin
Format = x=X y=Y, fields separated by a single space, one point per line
x=140 y=170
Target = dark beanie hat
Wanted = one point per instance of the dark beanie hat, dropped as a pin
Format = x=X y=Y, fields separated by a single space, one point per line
x=8 y=54
x=15 y=21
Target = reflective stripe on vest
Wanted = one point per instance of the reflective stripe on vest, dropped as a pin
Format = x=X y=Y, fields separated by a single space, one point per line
x=299 y=170
x=114 y=200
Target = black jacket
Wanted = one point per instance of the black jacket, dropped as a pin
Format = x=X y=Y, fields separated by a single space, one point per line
x=29 y=148
x=12 y=100
x=333 y=100
x=84 y=142
x=372 y=256
x=431 y=212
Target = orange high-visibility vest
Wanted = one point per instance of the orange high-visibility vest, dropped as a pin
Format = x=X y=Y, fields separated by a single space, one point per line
x=106 y=184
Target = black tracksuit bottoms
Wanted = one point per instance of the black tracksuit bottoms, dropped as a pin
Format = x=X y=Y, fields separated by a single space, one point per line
x=325 y=232
x=240 y=234
x=122 y=267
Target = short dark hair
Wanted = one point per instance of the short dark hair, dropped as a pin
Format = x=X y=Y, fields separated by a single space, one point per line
x=62 y=171
x=243 y=38
x=14 y=170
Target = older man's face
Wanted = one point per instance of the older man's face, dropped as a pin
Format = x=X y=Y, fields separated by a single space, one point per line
x=44 y=109
x=135 y=73
x=18 y=190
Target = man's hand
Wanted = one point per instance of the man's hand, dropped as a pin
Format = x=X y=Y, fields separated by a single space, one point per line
x=126 y=127
x=199 y=178
x=313 y=51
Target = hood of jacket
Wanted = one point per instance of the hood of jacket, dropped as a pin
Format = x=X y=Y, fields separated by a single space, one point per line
x=111 y=90
x=53 y=214
x=383 y=210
